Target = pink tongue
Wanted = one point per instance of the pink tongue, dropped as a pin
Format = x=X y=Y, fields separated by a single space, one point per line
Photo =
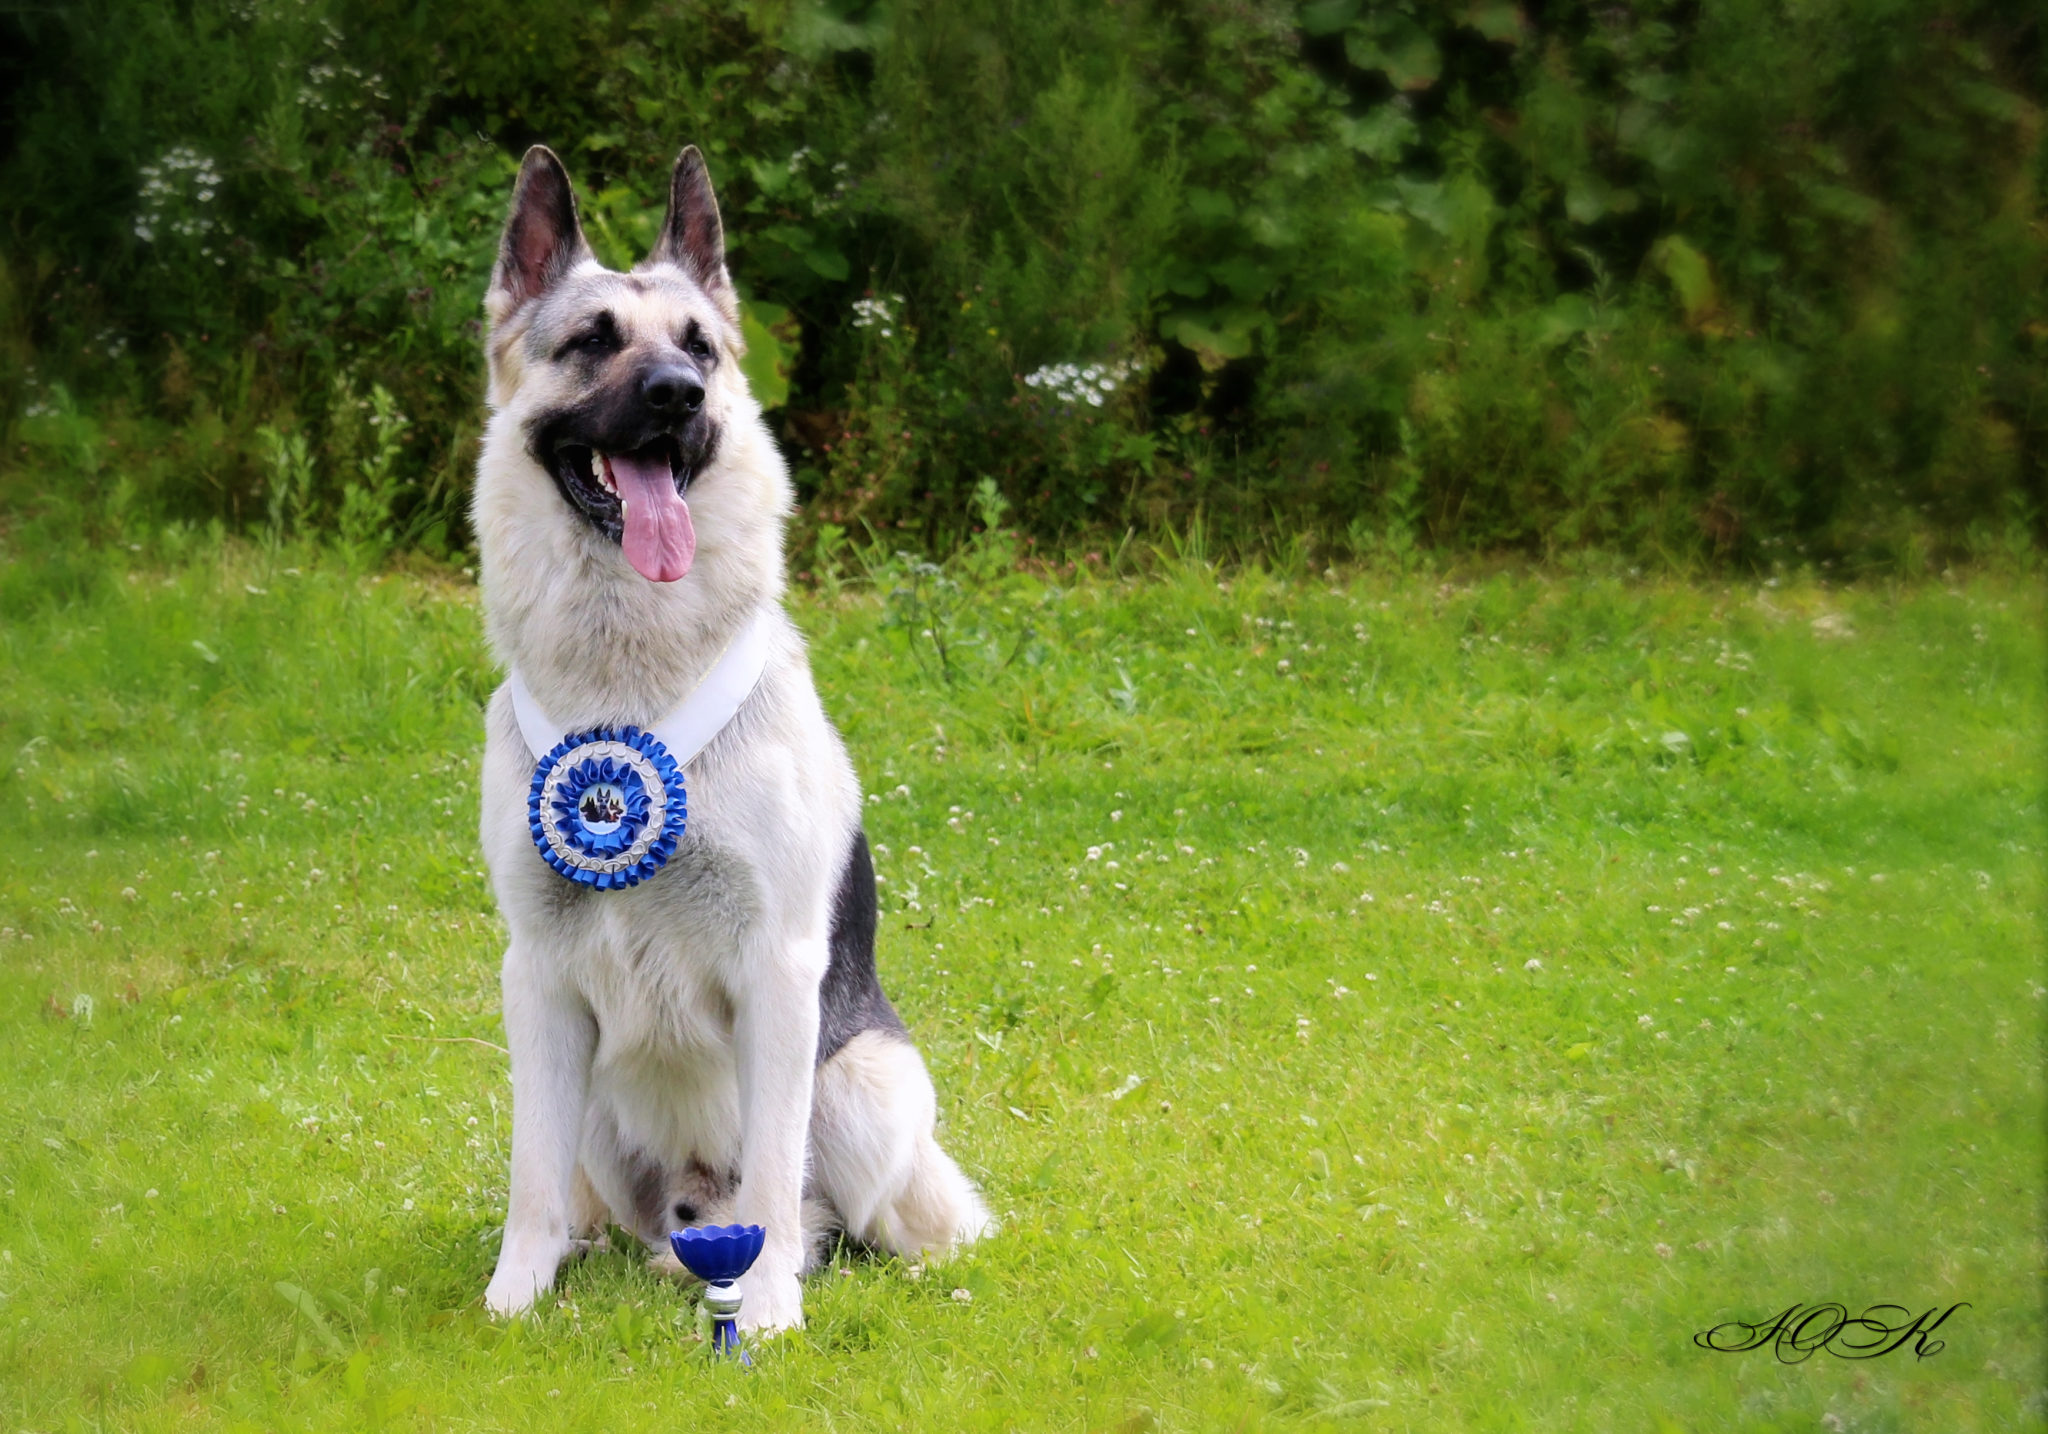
x=660 y=543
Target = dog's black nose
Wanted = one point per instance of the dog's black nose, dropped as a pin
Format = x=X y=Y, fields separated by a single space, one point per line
x=672 y=388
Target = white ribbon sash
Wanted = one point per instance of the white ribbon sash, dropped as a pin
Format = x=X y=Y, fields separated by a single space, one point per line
x=689 y=729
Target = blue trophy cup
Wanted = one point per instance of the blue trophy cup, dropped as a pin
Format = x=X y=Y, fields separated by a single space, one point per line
x=718 y=1255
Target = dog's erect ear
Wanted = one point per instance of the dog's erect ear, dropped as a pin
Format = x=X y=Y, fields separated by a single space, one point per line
x=542 y=239
x=692 y=238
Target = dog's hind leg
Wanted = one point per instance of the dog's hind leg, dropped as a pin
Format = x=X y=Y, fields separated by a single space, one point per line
x=588 y=1216
x=874 y=1157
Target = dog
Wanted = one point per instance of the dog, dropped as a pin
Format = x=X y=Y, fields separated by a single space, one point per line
x=711 y=1043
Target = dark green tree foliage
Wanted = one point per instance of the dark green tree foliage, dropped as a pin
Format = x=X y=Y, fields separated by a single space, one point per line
x=1739 y=280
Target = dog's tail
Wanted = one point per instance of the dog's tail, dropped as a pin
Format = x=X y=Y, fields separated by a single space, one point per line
x=936 y=1210
x=874 y=1157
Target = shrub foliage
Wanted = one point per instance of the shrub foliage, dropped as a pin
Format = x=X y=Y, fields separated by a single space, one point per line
x=1735 y=281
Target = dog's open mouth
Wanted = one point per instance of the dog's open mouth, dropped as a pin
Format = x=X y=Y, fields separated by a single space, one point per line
x=642 y=492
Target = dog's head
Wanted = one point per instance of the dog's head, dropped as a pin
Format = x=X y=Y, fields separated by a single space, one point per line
x=621 y=385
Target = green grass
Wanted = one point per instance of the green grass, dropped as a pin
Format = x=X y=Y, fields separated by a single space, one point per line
x=1518 y=976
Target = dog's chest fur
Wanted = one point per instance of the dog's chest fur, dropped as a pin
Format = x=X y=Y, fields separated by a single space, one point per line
x=656 y=986
x=654 y=963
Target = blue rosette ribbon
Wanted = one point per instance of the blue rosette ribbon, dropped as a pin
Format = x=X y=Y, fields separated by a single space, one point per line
x=607 y=807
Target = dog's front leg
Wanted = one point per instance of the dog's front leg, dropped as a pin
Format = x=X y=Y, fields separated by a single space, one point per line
x=552 y=1037
x=776 y=1044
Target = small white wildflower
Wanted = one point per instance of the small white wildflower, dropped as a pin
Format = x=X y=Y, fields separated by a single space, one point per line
x=1087 y=384
x=874 y=313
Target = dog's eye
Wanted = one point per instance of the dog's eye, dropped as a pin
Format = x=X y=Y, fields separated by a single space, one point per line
x=697 y=348
x=597 y=343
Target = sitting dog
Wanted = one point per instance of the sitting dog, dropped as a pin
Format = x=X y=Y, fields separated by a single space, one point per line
x=707 y=1040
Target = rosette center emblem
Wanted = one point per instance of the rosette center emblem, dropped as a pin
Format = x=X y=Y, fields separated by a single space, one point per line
x=607 y=807
x=603 y=808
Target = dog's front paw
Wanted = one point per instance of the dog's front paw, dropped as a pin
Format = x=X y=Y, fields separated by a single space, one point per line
x=526 y=1270
x=513 y=1291
x=770 y=1302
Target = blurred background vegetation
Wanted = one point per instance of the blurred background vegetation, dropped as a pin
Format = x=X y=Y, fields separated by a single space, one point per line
x=1745 y=283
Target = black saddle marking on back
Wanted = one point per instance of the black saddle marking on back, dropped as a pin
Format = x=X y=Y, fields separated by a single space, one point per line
x=851 y=1000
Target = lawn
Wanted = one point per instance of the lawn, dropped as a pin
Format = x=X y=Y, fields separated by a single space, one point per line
x=1368 y=1002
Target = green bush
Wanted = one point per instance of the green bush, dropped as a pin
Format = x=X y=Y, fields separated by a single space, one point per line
x=1746 y=282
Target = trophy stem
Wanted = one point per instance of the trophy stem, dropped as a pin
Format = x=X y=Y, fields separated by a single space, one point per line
x=722 y=1301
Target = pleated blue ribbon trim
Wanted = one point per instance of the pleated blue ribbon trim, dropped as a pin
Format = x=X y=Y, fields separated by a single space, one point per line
x=607 y=807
